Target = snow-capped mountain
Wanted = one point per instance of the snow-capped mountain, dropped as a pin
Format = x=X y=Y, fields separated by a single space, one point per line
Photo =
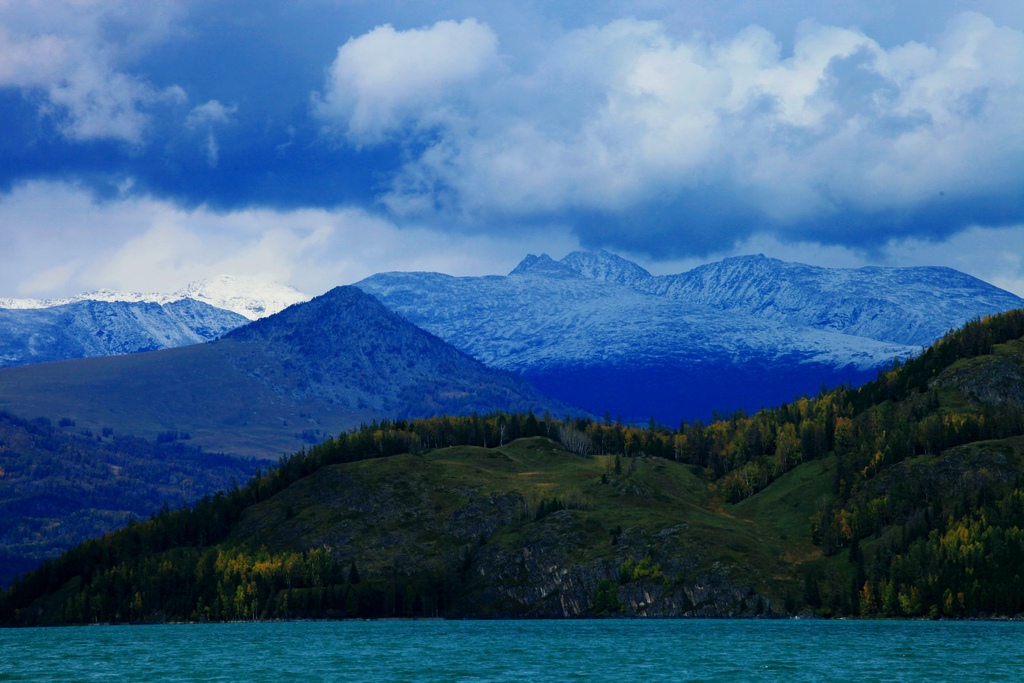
x=105 y=323
x=85 y=329
x=912 y=306
x=601 y=332
x=251 y=298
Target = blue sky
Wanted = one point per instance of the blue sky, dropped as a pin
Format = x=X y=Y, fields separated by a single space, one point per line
x=314 y=142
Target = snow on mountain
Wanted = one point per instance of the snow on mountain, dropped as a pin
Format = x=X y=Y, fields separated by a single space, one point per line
x=540 y=316
x=90 y=328
x=603 y=265
x=248 y=297
x=604 y=345
x=912 y=306
x=251 y=298
x=106 y=323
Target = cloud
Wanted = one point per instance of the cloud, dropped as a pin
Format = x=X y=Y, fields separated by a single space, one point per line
x=72 y=54
x=841 y=140
x=143 y=244
x=204 y=118
x=666 y=130
x=60 y=241
x=208 y=114
x=385 y=79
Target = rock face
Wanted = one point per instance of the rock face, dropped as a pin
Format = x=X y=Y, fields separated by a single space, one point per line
x=541 y=578
x=994 y=380
x=598 y=331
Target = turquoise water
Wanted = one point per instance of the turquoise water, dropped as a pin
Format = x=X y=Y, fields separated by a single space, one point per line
x=704 y=650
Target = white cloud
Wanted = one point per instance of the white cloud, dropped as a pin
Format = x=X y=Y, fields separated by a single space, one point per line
x=206 y=117
x=58 y=241
x=75 y=54
x=385 y=78
x=618 y=116
x=210 y=113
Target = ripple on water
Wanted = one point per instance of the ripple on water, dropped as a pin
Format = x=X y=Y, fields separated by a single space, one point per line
x=536 y=651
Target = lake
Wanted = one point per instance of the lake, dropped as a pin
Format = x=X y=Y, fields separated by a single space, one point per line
x=620 y=650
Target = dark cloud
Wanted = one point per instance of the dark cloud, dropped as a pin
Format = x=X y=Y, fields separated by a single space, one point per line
x=612 y=118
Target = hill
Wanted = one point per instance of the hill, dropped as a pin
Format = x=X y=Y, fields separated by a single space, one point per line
x=265 y=389
x=61 y=484
x=902 y=498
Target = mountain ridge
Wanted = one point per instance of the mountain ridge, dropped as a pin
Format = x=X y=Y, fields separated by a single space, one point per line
x=297 y=377
x=86 y=329
x=873 y=301
x=106 y=323
x=605 y=345
x=252 y=298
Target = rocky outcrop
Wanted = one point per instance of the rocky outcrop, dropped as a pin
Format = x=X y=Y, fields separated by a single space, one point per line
x=996 y=380
x=543 y=578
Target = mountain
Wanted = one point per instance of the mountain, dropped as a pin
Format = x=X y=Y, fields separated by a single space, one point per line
x=912 y=306
x=86 y=329
x=249 y=297
x=270 y=386
x=604 y=345
x=599 y=331
x=903 y=498
x=106 y=323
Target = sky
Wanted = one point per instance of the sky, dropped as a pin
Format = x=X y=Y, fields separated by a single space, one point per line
x=316 y=142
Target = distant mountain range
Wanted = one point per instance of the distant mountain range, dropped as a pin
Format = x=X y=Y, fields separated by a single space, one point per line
x=594 y=331
x=252 y=298
x=267 y=388
x=600 y=332
x=106 y=323
x=913 y=306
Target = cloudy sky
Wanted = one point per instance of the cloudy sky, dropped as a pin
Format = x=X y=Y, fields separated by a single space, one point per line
x=315 y=142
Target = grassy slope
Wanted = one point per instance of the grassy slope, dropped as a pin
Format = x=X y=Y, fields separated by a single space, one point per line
x=397 y=512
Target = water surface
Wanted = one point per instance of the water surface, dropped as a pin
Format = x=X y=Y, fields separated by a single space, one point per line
x=638 y=650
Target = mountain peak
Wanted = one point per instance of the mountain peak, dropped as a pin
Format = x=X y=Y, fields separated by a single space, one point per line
x=543 y=265
x=249 y=297
x=606 y=266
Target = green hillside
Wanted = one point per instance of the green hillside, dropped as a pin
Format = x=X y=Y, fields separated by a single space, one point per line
x=904 y=498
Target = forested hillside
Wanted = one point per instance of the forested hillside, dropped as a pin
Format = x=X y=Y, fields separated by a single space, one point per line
x=902 y=498
x=61 y=484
